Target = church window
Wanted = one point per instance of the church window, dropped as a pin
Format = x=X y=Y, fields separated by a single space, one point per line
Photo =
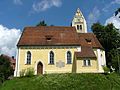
x=80 y=27
x=51 y=57
x=28 y=57
x=87 y=62
x=69 y=57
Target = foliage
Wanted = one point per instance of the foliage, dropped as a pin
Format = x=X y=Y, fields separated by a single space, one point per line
x=41 y=23
x=115 y=55
x=29 y=72
x=106 y=69
x=5 y=68
x=65 y=82
x=22 y=73
x=109 y=37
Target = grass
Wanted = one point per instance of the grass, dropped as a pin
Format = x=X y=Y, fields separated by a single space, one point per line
x=64 y=82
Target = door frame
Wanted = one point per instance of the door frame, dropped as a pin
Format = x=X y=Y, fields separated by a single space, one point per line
x=41 y=68
x=36 y=63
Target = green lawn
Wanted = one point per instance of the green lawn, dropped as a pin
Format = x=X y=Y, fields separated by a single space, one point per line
x=64 y=82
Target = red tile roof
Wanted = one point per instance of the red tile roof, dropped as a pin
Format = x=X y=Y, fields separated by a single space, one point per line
x=11 y=59
x=86 y=52
x=57 y=35
x=89 y=39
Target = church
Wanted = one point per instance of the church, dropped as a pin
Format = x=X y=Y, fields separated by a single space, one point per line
x=60 y=49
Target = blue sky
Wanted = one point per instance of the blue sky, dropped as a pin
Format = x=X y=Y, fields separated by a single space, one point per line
x=17 y=14
x=21 y=13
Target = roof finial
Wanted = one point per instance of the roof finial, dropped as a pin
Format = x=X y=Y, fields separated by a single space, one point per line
x=78 y=10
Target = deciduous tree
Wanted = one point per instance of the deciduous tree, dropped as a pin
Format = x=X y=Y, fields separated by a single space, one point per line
x=5 y=68
x=109 y=37
x=41 y=23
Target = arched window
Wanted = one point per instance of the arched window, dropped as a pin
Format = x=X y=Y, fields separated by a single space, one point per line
x=51 y=57
x=28 y=57
x=80 y=27
x=69 y=57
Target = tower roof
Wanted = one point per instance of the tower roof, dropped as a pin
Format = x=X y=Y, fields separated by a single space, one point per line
x=79 y=22
x=78 y=13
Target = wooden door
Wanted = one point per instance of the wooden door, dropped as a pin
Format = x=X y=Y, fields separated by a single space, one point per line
x=40 y=68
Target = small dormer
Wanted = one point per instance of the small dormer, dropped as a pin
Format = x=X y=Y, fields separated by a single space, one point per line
x=48 y=37
x=79 y=22
x=89 y=41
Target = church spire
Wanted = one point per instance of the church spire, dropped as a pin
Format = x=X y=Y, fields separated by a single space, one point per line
x=79 y=22
x=78 y=13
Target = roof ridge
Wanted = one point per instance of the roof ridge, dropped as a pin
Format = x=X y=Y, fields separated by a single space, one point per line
x=49 y=26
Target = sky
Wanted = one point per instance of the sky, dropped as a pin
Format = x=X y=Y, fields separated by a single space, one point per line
x=17 y=14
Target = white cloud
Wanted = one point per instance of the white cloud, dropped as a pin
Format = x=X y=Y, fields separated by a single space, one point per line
x=93 y=16
x=107 y=6
x=115 y=20
x=17 y=2
x=8 y=40
x=115 y=2
x=45 y=4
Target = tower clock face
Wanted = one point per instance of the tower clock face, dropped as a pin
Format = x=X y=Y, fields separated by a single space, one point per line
x=80 y=20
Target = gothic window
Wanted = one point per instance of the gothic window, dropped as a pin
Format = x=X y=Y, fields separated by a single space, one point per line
x=28 y=57
x=69 y=57
x=51 y=56
x=87 y=62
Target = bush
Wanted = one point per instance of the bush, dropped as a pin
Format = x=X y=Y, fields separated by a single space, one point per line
x=5 y=68
x=29 y=72
x=106 y=69
x=22 y=73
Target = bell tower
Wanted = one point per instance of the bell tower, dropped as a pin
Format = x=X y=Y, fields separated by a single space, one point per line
x=79 y=22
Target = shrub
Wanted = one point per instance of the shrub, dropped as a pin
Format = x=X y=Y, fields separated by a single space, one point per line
x=106 y=69
x=5 y=68
x=29 y=72
x=22 y=73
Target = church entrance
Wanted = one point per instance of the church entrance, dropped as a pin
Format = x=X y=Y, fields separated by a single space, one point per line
x=39 y=68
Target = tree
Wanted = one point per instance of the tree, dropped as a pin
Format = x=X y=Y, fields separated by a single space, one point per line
x=41 y=23
x=109 y=37
x=5 y=68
